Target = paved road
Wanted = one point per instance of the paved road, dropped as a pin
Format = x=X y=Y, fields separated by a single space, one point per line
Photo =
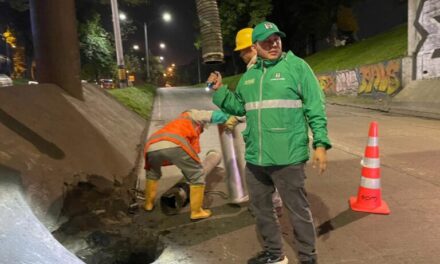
x=410 y=150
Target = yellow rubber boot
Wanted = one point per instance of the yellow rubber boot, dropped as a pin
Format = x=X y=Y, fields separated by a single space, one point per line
x=197 y=193
x=150 y=194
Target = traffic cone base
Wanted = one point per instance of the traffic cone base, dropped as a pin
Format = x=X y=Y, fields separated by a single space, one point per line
x=382 y=209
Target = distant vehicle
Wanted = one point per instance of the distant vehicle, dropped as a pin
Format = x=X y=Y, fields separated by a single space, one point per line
x=106 y=83
x=5 y=80
x=32 y=82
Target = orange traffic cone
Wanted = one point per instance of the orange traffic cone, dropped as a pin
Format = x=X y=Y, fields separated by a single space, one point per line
x=369 y=198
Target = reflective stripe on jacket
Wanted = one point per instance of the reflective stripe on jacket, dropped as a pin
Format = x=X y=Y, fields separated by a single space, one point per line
x=280 y=100
x=182 y=131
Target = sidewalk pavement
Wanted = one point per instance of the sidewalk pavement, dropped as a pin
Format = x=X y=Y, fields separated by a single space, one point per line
x=419 y=98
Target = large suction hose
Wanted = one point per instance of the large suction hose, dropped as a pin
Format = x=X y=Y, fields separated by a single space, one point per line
x=210 y=30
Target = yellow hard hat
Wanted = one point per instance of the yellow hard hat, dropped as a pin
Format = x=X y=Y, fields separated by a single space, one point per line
x=243 y=39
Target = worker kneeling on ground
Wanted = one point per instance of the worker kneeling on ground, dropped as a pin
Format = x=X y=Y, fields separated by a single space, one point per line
x=177 y=143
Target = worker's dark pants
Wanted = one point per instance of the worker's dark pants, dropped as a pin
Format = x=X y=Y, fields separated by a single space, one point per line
x=289 y=180
x=191 y=169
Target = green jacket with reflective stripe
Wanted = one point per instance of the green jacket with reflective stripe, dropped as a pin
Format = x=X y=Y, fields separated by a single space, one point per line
x=280 y=100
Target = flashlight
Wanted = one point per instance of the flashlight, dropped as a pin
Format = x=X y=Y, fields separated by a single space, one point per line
x=209 y=86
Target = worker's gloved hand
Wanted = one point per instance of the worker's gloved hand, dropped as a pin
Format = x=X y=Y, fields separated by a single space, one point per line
x=231 y=123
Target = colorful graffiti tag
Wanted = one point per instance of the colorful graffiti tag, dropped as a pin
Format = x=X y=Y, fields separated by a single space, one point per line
x=327 y=82
x=382 y=77
x=346 y=83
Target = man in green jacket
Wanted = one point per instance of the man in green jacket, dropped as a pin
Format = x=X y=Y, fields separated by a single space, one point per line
x=248 y=53
x=281 y=98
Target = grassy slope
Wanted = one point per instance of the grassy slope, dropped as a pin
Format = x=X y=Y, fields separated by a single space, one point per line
x=382 y=47
x=139 y=99
x=20 y=81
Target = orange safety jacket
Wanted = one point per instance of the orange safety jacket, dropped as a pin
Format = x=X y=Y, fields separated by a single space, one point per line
x=182 y=131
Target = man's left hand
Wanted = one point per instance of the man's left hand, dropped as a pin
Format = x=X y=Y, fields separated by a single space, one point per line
x=320 y=159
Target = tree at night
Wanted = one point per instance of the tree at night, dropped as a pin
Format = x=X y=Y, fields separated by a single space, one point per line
x=96 y=49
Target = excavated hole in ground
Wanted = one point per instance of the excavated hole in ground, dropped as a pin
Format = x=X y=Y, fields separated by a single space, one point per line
x=101 y=230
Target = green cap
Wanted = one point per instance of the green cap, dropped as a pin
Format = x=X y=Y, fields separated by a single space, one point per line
x=264 y=30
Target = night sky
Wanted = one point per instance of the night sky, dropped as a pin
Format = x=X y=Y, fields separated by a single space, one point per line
x=178 y=35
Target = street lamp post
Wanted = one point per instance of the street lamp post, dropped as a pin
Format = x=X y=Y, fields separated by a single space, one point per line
x=8 y=60
x=122 y=76
x=167 y=18
x=146 y=50
x=198 y=66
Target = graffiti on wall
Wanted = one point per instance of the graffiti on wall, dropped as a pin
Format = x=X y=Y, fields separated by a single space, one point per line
x=427 y=23
x=383 y=77
x=327 y=83
x=347 y=83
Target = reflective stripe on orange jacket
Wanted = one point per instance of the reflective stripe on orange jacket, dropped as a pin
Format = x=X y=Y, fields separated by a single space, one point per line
x=182 y=131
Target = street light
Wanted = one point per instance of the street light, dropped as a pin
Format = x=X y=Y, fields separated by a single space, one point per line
x=167 y=18
x=136 y=47
x=118 y=44
x=162 y=45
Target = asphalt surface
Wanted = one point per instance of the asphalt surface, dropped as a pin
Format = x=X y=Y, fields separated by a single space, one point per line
x=409 y=152
x=409 y=148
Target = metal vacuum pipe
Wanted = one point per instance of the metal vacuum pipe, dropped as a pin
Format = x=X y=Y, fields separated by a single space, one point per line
x=239 y=153
x=235 y=171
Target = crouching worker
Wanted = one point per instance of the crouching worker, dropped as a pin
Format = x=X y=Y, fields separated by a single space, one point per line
x=177 y=143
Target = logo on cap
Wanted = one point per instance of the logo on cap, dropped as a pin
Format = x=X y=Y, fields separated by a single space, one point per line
x=268 y=25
